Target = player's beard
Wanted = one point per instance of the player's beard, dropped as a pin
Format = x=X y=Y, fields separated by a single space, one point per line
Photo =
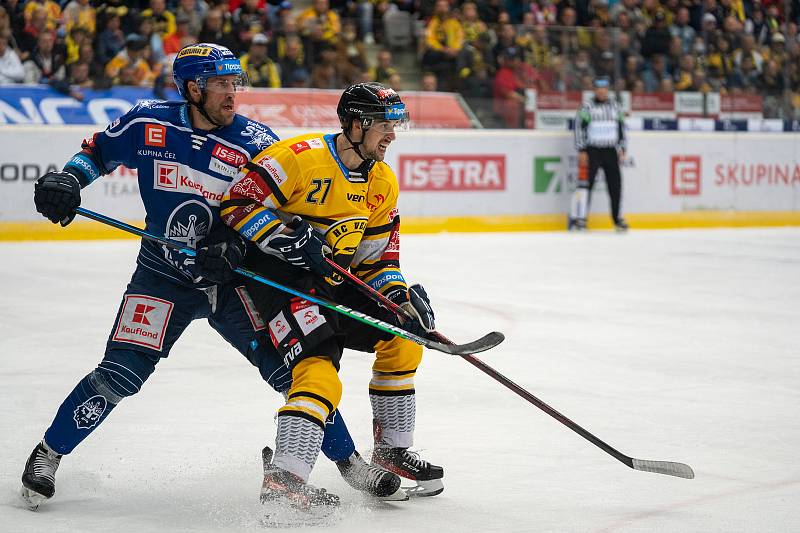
x=223 y=113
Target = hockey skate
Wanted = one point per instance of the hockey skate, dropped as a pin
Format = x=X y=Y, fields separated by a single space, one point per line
x=39 y=478
x=576 y=224
x=411 y=466
x=621 y=226
x=370 y=479
x=289 y=502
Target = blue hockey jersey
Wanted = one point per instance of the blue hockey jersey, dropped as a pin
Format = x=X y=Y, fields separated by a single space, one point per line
x=183 y=173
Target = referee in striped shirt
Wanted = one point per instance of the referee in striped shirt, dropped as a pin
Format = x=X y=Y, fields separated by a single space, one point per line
x=600 y=141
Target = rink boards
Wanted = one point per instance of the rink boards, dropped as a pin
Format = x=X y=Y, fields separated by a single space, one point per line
x=481 y=180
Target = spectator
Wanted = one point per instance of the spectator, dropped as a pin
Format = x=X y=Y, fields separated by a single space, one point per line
x=51 y=9
x=76 y=37
x=324 y=74
x=683 y=75
x=544 y=12
x=657 y=37
x=249 y=19
x=682 y=30
x=384 y=69
x=777 y=49
x=195 y=11
x=80 y=13
x=473 y=26
x=655 y=70
x=79 y=76
x=111 y=40
x=320 y=15
x=16 y=17
x=489 y=11
x=770 y=82
x=163 y=19
x=429 y=82
x=699 y=82
x=45 y=64
x=214 y=31
x=579 y=69
x=745 y=77
x=261 y=70
x=720 y=57
x=444 y=38
x=292 y=64
x=11 y=70
x=506 y=38
x=182 y=37
x=352 y=57
x=748 y=49
x=130 y=66
x=507 y=90
x=147 y=31
x=36 y=25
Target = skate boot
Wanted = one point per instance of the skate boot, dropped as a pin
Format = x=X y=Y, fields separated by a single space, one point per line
x=621 y=226
x=576 y=224
x=39 y=478
x=411 y=466
x=371 y=479
x=290 y=502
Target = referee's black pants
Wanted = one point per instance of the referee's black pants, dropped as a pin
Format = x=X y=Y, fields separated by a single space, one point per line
x=608 y=160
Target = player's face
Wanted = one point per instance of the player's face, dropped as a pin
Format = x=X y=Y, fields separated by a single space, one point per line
x=378 y=138
x=220 y=98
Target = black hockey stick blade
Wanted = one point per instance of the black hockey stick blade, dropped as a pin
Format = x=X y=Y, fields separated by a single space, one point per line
x=663 y=467
x=487 y=342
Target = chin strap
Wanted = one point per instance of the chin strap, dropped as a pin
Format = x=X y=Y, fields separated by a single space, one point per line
x=201 y=107
x=355 y=145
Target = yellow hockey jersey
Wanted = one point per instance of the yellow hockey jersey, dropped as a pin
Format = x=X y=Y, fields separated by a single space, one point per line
x=304 y=176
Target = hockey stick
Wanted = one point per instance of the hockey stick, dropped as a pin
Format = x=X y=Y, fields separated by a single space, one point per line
x=484 y=343
x=659 y=467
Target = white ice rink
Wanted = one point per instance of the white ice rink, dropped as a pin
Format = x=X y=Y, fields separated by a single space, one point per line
x=668 y=345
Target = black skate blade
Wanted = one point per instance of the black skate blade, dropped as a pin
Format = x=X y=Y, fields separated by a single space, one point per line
x=487 y=342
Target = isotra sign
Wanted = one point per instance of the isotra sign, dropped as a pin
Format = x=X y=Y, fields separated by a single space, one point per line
x=453 y=172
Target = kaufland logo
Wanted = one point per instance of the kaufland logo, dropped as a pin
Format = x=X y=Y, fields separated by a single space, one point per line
x=179 y=178
x=453 y=172
x=685 y=175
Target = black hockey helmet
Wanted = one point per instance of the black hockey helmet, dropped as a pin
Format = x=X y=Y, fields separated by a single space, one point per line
x=367 y=102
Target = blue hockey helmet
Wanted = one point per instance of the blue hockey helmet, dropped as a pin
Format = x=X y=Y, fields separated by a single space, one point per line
x=198 y=62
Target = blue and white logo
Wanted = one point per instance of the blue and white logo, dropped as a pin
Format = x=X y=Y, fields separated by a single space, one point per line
x=189 y=223
x=88 y=414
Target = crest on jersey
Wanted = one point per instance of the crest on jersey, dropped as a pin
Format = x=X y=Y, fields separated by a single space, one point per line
x=88 y=414
x=259 y=136
x=188 y=223
x=344 y=237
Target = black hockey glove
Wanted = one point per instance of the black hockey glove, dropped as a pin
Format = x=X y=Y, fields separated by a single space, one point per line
x=56 y=195
x=304 y=247
x=416 y=304
x=219 y=255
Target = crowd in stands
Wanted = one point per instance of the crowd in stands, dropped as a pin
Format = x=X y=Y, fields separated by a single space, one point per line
x=488 y=50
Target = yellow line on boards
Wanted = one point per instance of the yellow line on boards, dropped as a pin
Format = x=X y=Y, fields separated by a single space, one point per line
x=87 y=230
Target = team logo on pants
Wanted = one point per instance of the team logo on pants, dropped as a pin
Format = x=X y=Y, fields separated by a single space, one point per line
x=88 y=414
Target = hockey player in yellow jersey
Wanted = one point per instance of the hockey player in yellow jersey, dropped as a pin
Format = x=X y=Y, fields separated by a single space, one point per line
x=302 y=199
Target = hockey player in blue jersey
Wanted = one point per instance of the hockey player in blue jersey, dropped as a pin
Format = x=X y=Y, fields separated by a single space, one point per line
x=186 y=153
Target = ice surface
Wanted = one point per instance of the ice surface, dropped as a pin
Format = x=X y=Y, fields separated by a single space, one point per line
x=669 y=345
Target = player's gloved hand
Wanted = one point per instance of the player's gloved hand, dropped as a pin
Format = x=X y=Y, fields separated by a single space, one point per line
x=219 y=254
x=56 y=195
x=417 y=305
x=303 y=247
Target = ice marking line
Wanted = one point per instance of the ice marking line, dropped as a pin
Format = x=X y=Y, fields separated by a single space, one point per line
x=643 y=515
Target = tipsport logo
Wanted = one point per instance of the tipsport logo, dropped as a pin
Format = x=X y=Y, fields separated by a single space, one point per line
x=552 y=174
